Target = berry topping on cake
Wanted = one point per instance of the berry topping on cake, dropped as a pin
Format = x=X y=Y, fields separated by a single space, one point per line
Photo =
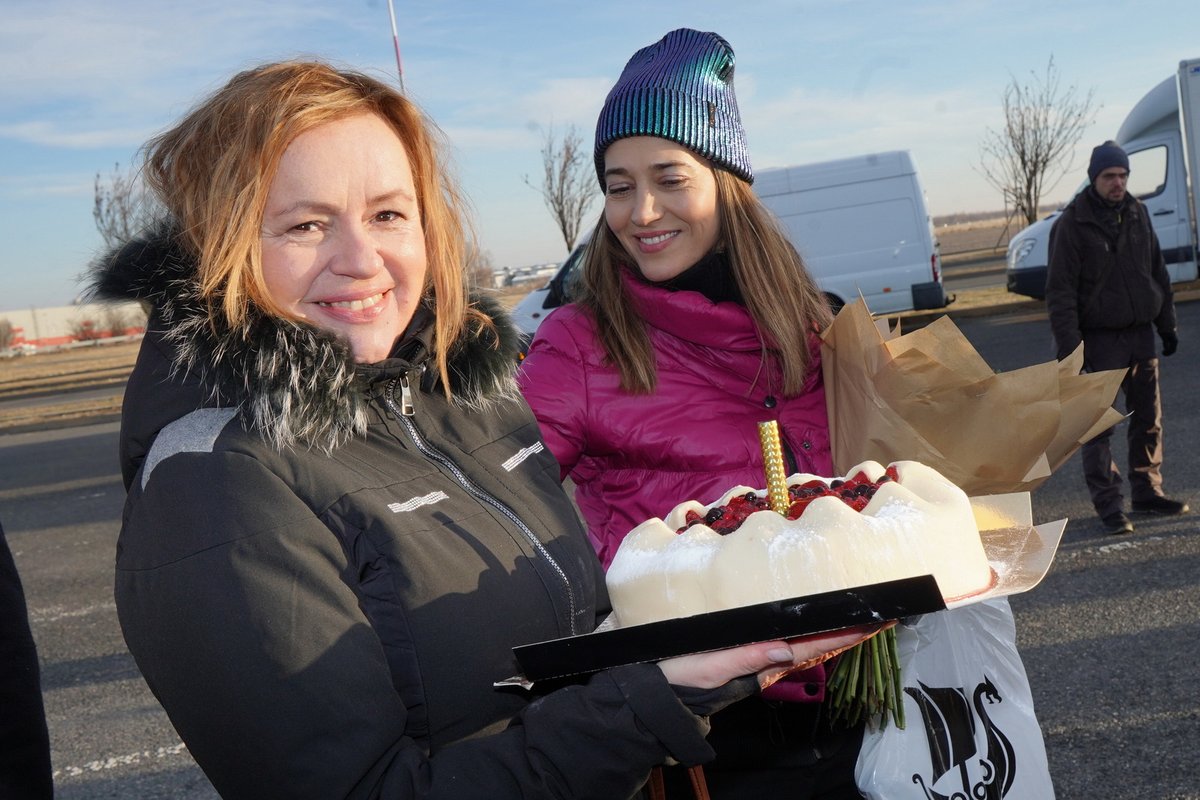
x=855 y=492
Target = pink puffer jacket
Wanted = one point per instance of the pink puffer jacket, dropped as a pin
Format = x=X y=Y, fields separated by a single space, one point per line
x=633 y=457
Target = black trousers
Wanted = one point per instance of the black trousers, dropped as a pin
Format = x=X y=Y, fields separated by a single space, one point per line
x=1132 y=350
x=25 y=772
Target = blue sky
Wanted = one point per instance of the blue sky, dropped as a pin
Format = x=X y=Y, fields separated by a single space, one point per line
x=85 y=83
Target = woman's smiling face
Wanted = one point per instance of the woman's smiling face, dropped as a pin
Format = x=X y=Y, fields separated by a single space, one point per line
x=342 y=241
x=660 y=201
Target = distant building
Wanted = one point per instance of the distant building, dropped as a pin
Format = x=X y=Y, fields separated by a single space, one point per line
x=508 y=276
x=65 y=325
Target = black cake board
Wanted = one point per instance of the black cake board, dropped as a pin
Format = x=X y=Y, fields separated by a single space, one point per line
x=778 y=619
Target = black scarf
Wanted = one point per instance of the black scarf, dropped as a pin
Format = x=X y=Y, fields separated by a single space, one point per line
x=711 y=276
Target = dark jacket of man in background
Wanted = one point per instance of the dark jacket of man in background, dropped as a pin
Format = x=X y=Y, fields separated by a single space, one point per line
x=1108 y=288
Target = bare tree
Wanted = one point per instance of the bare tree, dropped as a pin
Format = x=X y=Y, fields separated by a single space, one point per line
x=123 y=206
x=85 y=330
x=1043 y=121
x=7 y=334
x=479 y=268
x=568 y=182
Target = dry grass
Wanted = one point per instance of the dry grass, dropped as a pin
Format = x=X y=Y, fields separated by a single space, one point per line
x=27 y=382
x=66 y=411
x=65 y=367
x=968 y=237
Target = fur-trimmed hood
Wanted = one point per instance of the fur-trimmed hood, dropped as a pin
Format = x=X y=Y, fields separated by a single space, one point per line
x=297 y=384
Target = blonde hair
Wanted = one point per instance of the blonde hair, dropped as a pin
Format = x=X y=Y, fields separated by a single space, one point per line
x=779 y=293
x=212 y=172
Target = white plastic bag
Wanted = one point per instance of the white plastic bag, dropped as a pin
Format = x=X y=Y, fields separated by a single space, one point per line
x=971 y=732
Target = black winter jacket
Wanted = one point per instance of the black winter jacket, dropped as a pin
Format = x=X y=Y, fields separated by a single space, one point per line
x=24 y=740
x=323 y=568
x=1102 y=277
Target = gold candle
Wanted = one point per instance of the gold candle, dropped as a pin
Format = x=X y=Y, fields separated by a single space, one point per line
x=772 y=450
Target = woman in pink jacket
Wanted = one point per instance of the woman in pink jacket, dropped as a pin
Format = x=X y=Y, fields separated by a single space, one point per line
x=693 y=320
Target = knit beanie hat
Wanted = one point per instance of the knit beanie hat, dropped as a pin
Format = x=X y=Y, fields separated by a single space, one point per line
x=679 y=88
x=1104 y=156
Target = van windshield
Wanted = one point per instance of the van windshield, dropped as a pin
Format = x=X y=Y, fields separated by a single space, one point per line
x=560 y=284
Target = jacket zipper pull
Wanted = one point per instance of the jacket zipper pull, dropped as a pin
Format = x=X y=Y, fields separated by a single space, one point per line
x=406 y=406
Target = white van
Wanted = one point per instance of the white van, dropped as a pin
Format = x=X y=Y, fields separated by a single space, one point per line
x=862 y=227
x=860 y=223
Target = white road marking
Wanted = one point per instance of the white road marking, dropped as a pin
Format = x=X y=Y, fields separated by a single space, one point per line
x=55 y=613
x=116 y=762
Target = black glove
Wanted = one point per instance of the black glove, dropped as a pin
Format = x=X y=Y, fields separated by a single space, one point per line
x=1170 y=342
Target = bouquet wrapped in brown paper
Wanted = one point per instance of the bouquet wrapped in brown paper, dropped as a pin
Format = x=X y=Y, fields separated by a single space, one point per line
x=929 y=396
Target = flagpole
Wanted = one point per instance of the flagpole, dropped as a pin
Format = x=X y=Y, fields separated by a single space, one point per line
x=396 y=44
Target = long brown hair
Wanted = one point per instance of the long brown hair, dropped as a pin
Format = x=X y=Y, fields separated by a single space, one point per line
x=778 y=291
x=212 y=172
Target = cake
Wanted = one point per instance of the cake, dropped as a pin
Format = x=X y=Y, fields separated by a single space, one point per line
x=873 y=526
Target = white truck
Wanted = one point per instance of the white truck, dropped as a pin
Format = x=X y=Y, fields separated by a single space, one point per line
x=1161 y=135
x=860 y=223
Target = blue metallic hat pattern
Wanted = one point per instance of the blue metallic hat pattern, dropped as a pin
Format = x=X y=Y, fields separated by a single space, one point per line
x=679 y=88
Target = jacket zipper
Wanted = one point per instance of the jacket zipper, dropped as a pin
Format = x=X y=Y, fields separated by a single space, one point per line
x=405 y=413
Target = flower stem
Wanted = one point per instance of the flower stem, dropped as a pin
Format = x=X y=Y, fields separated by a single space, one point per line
x=866 y=683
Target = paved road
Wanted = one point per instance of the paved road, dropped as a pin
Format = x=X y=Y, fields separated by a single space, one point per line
x=1109 y=639
x=61 y=505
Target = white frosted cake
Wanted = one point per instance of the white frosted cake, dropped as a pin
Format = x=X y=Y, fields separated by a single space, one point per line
x=875 y=525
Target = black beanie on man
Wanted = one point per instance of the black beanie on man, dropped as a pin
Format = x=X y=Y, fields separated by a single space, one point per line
x=1104 y=156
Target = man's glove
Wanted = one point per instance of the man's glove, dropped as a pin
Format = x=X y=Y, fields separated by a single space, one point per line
x=1170 y=342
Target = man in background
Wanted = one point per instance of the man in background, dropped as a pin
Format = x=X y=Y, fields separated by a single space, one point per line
x=1107 y=288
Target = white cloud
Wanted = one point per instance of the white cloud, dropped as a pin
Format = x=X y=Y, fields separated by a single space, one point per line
x=805 y=120
x=55 y=185
x=50 y=133
x=571 y=101
x=131 y=65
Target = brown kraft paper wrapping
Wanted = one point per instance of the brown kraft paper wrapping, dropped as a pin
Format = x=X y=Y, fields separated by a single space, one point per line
x=928 y=396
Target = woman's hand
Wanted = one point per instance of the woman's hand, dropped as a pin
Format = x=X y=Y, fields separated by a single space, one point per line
x=769 y=660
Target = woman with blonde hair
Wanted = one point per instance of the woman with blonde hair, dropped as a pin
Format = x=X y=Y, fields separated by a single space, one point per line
x=693 y=320
x=340 y=520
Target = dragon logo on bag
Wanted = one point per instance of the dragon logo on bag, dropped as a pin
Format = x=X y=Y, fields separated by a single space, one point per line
x=960 y=770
